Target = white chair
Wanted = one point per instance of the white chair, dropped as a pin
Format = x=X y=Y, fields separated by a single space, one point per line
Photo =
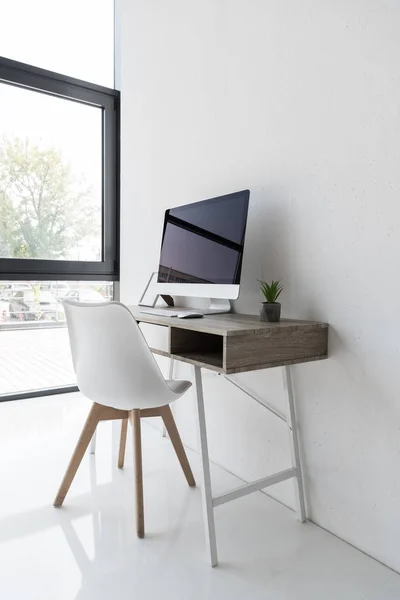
x=117 y=371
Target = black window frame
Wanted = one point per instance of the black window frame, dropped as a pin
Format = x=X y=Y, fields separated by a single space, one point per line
x=54 y=84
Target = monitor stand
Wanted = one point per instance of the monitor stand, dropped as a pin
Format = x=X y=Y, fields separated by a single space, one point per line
x=217 y=306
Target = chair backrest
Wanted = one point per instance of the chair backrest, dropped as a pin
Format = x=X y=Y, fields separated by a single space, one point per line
x=113 y=363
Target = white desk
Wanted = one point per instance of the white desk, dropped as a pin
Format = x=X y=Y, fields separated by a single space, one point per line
x=231 y=343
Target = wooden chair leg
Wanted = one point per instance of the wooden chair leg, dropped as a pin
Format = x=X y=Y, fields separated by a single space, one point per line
x=175 y=438
x=134 y=417
x=81 y=447
x=122 y=443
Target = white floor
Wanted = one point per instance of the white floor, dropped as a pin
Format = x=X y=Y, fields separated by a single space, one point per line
x=88 y=549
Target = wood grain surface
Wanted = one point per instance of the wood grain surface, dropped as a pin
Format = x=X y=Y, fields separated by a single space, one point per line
x=231 y=343
x=225 y=324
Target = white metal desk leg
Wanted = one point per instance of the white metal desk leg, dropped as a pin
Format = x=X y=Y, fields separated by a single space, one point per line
x=206 y=490
x=170 y=376
x=92 y=447
x=294 y=446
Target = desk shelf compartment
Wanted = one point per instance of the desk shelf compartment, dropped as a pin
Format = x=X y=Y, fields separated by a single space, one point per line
x=205 y=349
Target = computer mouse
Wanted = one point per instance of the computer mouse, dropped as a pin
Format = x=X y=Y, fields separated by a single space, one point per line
x=190 y=315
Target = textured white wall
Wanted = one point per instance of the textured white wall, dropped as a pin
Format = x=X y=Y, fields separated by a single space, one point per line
x=300 y=102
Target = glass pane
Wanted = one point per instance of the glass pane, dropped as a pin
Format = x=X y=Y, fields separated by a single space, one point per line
x=72 y=37
x=34 y=345
x=50 y=177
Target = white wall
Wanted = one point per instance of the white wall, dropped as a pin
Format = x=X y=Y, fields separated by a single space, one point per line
x=300 y=102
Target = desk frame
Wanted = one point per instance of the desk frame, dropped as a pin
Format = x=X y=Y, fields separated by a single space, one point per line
x=210 y=502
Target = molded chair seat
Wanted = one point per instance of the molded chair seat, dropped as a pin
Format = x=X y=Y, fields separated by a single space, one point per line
x=179 y=386
x=116 y=370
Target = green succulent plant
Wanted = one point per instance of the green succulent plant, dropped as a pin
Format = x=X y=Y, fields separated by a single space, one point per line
x=271 y=290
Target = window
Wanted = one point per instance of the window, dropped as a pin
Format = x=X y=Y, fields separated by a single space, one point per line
x=50 y=177
x=58 y=176
x=59 y=182
x=34 y=349
x=72 y=37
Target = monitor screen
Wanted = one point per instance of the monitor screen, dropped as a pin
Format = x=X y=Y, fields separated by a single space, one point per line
x=203 y=242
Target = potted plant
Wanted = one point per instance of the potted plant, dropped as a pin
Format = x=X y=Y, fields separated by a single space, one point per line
x=270 y=310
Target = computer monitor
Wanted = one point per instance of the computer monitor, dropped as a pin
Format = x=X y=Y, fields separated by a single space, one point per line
x=202 y=248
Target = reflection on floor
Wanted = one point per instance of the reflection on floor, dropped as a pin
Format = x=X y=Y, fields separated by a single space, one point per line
x=88 y=549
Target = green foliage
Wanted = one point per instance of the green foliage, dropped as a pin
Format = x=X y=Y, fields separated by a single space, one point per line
x=45 y=209
x=271 y=290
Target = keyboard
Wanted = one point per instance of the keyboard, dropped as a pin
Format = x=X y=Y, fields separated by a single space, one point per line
x=165 y=312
